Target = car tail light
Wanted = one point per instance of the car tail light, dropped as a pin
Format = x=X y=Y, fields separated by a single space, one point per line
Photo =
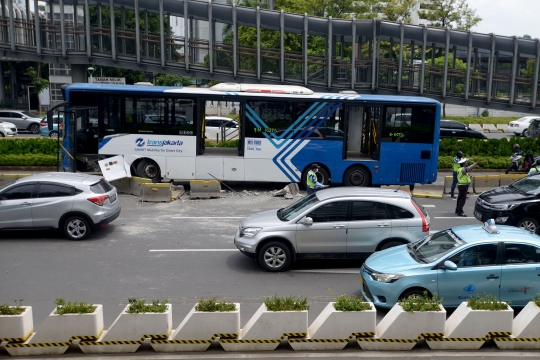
x=43 y=123
x=98 y=200
x=61 y=126
x=516 y=125
x=425 y=225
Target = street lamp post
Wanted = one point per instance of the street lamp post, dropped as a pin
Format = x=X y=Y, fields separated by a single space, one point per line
x=91 y=72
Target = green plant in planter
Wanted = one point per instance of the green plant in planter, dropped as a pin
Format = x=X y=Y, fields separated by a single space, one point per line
x=211 y=305
x=349 y=303
x=421 y=302
x=536 y=300
x=290 y=303
x=486 y=302
x=6 y=309
x=141 y=307
x=72 y=307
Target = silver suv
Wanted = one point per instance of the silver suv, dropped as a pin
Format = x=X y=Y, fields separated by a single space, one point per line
x=334 y=223
x=23 y=120
x=75 y=203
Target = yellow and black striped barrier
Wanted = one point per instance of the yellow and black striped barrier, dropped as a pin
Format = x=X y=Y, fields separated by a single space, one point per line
x=90 y=338
x=352 y=336
x=199 y=342
x=123 y=342
x=276 y=341
x=17 y=340
x=517 y=339
x=37 y=345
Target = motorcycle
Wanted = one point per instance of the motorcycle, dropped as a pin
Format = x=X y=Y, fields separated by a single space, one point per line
x=515 y=162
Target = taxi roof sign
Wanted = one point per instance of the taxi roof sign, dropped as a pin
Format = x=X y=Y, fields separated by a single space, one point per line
x=490 y=227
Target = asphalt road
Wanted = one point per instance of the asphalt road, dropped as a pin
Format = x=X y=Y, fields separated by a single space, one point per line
x=178 y=251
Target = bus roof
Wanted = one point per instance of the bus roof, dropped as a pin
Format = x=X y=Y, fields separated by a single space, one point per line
x=207 y=91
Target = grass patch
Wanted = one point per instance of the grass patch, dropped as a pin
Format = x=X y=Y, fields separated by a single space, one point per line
x=481 y=120
x=211 y=305
x=486 y=302
x=6 y=309
x=72 y=307
x=141 y=307
x=421 y=303
x=350 y=303
x=290 y=303
x=536 y=300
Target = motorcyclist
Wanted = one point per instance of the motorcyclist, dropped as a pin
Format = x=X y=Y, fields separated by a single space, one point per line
x=515 y=164
x=517 y=150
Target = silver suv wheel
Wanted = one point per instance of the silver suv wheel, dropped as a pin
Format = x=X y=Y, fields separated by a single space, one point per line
x=76 y=228
x=275 y=256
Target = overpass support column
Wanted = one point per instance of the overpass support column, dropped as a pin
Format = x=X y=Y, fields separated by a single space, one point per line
x=354 y=50
x=113 y=31
x=400 y=64
x=445 y=73
x=423 y=66
x=63 y=28
x=13 y=83
x=161 y=34
x=305 y=49
x=491 y=69
x=259 y=62
x=137 y=33
x=78 y=73
x=468 y=71
x=330 y=52
x=2 y=85
x=515 y=60
x=282 y=46
x=12 y=26
x=534 y=92
x=37 y=29
x=211 y=30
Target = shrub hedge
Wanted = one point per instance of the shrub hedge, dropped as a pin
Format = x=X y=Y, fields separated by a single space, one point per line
x=490 y=147
x=28 y=160
x=43 y=146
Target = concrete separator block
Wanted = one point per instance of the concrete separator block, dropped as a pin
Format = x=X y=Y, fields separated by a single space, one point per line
x=135 y=184
x=481 y=183
x=507 y=179
x=502 y=127
x=490 y=128
x=428 y=191
x=448 y=184
x=476 y=127
x=159 y=192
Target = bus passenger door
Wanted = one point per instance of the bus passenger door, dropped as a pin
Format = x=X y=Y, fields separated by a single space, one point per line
x=362 y=127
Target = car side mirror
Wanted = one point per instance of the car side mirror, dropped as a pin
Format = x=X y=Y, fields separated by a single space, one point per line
x=306 y=221
x=449 y=265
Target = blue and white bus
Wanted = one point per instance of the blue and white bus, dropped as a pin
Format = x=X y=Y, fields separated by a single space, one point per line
x=356 y=139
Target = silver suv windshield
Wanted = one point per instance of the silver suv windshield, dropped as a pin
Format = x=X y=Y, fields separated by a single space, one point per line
x=433 y=247
x=528 y=185
x=291 y=211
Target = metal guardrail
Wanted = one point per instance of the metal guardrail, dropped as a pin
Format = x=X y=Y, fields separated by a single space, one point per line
x=493 y=77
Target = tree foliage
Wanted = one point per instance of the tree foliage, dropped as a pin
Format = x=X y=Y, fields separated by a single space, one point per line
x=399 y=10
x=453 y=14
x=37 y=81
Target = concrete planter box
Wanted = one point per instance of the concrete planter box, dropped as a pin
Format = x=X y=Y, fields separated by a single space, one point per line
x=336 y=325
x=199 y=329
x=17 y=328
x=59 y=329
x=272 y=326
x=405 y=327
x=526 y=326
x=130 y=329
x=474 y=325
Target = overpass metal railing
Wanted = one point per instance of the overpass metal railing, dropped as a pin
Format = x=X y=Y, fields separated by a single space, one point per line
x=364 y=55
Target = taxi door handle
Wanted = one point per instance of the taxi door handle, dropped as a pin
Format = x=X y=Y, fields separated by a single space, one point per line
x=492 y=277
x=26 y=204
x=383 y=224
x=339 y=226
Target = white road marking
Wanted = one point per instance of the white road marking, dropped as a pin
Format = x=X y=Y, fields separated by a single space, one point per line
x=455 y=217
x=330 y=271
x=430 y=206
x=191 y=250
x=208 y=217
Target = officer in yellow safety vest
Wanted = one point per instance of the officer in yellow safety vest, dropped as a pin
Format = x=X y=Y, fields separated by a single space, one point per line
x=311 y=180
x=535 y=169
x=464 y=180
x=455 y=168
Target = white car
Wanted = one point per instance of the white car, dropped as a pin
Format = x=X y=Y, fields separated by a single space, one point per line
x=214 y=124
x=521 y=126
x=7 y=129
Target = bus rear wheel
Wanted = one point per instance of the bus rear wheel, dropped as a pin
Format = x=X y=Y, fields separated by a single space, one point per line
x=148 y=169
x=357 y=176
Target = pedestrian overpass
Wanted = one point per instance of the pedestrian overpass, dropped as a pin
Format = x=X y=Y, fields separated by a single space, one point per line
x=324 y=54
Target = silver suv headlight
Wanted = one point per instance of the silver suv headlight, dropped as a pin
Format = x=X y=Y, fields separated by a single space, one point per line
x=250 y=231
x=387 y=278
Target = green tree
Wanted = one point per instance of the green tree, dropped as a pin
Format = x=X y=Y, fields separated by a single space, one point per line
x=453 y=14
x=37 y=81
x=173 y=80
x=399 y=10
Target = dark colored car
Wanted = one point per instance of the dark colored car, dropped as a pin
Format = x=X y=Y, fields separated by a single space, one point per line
x=455 y=129
x=517 y=204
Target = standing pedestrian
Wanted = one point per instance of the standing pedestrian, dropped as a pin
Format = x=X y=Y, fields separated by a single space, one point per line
x=312 y=184
x=455 y=168
x=464 y=180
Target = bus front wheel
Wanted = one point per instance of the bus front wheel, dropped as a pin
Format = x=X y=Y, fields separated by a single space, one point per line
x=357 y=176
x=148 y=169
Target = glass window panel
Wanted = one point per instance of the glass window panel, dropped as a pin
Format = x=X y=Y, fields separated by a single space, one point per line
x=367 y=210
